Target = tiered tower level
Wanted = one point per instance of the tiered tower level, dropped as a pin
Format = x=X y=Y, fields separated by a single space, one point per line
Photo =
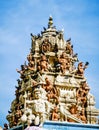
x=51 y=86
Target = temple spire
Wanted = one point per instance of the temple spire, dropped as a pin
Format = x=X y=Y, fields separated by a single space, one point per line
x=52 y=86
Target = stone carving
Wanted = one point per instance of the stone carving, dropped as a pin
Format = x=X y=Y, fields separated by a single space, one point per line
x=64 y=63
x=65 y=114
x=45 y=46
x=67 y=96
x=22 y=71
x=82 y=92
x=69 y=47
x=55 y=114
x=43 y=64
x=51 y=87
x=81 y=68
x=82 y=116
x=39 y=107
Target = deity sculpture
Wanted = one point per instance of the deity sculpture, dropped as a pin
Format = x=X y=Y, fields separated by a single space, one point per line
x=81 y=68
x=46 y=46
x=43 y=64
x=55 y=114
x=82 y=92
x=52 y=85
x=48 y=86
x=64 y=63
x=69 y=47
x=22 y=71
x=74 y=111
x=82 y=116
x=39 y=106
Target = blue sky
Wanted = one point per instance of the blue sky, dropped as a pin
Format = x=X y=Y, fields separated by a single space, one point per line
x=19 y=18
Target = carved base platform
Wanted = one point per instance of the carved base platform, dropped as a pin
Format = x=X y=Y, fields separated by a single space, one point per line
x=54 y=125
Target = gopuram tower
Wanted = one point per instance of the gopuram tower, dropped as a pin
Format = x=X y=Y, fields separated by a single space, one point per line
x=52 y=85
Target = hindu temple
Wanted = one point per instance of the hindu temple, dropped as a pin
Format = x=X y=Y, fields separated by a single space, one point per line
x=52 y=87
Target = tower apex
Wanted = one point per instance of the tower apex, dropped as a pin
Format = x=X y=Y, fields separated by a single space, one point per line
x=50 y=22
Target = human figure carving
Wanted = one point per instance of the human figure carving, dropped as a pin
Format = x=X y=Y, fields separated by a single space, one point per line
x=53 y=94
x=22 y=71
x=82 y=92
x=81 y=68
x=31 y=63
x=30 y=66
x=55 y=114
x=48 y=86
x=46 y=46
x=69 y=47
x=43 y=64
x=18 y=112
x=30 y=57
x=39 y=105
x=81 y=96
x=74 y=111
x=64 y=62
x=82 y=116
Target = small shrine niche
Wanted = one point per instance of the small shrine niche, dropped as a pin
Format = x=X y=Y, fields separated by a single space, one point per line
x=45 y=46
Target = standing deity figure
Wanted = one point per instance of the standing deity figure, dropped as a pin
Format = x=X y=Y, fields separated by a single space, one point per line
x=55 y=114
x=82 y=93
x=31 y=63
x=43 y=64
x=40 y=106
x=69 y=47
x=64 y=63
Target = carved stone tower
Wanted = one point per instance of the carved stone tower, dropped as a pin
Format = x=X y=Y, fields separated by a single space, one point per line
x=51 y=86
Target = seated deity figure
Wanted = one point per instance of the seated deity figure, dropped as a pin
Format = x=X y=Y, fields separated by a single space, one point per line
x=46 y=46
x=64 y=63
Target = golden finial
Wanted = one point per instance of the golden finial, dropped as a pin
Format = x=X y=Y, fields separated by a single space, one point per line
x=50 y=23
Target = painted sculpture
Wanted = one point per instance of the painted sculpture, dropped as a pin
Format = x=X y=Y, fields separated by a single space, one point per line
x=51 y=86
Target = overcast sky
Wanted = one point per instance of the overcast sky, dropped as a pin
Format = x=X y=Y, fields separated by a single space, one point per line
x=19 y=18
